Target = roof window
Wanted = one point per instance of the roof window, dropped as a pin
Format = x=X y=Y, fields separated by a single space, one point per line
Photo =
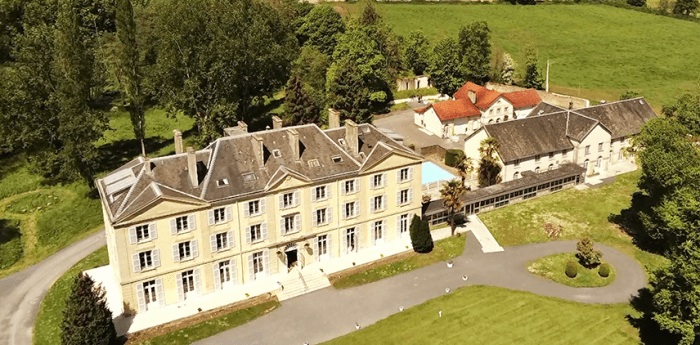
x=341 y=141
x=249 y=177
x=313 y=163
x=222 y=183
x=276 y=153
x=337 y=159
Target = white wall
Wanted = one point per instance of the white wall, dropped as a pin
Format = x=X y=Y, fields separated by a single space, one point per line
x=531 y=163
x=497 y=111
x=596 y=136
x=432 y=122
x=522 y=113
x=471 y=146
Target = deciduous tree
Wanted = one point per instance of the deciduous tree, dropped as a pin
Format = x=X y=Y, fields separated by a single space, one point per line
x=321 y=28
x=86 y=319
x=533 y=78
x=475 y=51
x=685 y=7
x=686 y=111
x=348 y=93
x=445 y=67
x=417 y=52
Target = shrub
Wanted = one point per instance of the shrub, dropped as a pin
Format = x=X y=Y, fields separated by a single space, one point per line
x=587 y=256
x=86 y=319
x=637 y=3
x=571 y=269
x=452 y=157
x=421 y=239
x=604 y=270
x=11 y=249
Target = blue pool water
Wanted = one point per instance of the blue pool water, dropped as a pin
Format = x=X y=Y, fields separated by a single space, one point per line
x=432 y=173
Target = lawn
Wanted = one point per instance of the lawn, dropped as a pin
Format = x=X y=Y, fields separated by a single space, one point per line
x=39 y=217
x=552 y=267
x=596 y=51
x=448 y=248
x=580 y=213
x=490 y=315
x=47 y=327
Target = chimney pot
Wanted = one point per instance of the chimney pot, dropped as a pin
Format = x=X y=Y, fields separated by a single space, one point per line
x=276 y=122
x=192 y=166
x=333 y=118
x=178 y=141
x=351 y=136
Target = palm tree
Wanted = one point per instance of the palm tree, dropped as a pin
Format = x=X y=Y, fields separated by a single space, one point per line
x=489 y=169
x=465 y=168
x=451 y=193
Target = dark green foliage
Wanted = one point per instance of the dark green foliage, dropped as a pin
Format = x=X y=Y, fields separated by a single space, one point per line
x=604 y=270
x=11 y=246
x=421 y=239
x=417 y=53
x=348 y=94
x=475 y=51
x=452 y=157
x=686 y=111
x=128 y=73
x=533 y=78
x=293 y=11
x=629 y=95
x=685 y=7
x=219 y=59
x=637 y=3
x=86 y=319
x=571 y=269
x=445 y=67
x=299 y=108
x=321 y=28
x=587 y=256
x=310 y=68
x=526 y=2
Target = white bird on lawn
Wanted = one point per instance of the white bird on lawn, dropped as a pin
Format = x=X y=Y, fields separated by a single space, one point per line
x=401 y=308
x=440 y=312
x=357 y=325
x=447 y=290
x=464 y=277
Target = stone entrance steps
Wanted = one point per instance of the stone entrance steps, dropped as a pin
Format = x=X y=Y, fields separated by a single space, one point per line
x=299 y=282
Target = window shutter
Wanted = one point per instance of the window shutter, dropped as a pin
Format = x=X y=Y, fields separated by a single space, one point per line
x=263 y=229
x=141 y=298
x=329 y=215
x=212 y=243
x=313 y=194
x=344 y=211
x=344 y=242
x=229 y=213
x=372 y=233
x=156 y=257
x=173 y=227
x=329 y=191
x=329 y=238
x=251 y=272
x=195 y=249
x=266 y=262
x=384 y=202
x=297 y=222
x=132 y=235
x=315 y=249
x=246 y=209
x=198 y=281
x=263 y=206
x=384 y=231
x=217 y=278
x=176 y=253
x=136 y=262
x=281 y=201
x=231 y=241
x=192 y=222
x=180 y=290
x=210 y=215
x=356 y=208
x=371 y=182
x=398 y=198
x=371 y=205
x=282 y=226
x=342 y=188
x=398 y=226
x=398 y=176
x=159 y=292
x=296 y=198
x=384 y=180
x=247 y=235
x=410 y=173
x=356 y=185
x=410 y=195
x=234 y=271
x=153 y=231
x=314 y=218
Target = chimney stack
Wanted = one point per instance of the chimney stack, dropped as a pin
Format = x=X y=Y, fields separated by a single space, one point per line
x=472 y=96
x=351 y=136
x=178 y=141
x=294 y=142
x=147 y=164
x=571 y=104
x=243 y=127
x=276 y=122
x=333 y=118
x=192 y=166
x=257 y=142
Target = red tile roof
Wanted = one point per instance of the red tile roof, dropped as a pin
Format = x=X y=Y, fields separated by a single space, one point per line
x=484 y=96
x=450 y=110
x=521 y=99
x=421 y=110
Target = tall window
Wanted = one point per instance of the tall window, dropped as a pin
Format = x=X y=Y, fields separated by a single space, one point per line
x=517 y=163
x=403 y=223
x=225 y=271
x=254 y=207
x=221 y=241
x=588 y=149
x=149 y=292
x=220 y=215
x=350 y=209
x=320 y=192
x=321 y=216
x=378 y=230
x=188 y=281
x=322 y=245
x=600 y=147
x=185 y=250
x=378 y=206
x=564 y=153
x=377 y=180
x=142 y=233
x=289 y=224
x=146 y=260
x=255 y=233
x=288 y=200
x=404 y=175
x=350 y=239
x=551 y=155
x=258 y=266
x=403 y=196
x=182 y=224
x=349 y=186
x=537 y=158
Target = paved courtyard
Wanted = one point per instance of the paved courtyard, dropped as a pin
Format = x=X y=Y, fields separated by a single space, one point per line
x=401 y=122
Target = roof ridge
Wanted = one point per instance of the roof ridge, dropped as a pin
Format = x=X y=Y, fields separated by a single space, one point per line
x=615 y=102
x=338 y=146
x=131 y=189
x=207 y=178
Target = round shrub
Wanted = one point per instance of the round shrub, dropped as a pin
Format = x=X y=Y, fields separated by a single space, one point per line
x=604 y=270
x=452 y=157
x=571 y=269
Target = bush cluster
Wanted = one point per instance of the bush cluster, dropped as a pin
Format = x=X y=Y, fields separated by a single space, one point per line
x=571 y=269
x=421 y=238
x=452 y=157
x=604 y=270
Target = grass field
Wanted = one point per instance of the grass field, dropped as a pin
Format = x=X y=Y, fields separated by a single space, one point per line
x=552 y=267
x=489 y=315
x=448 y=248
x=596 y=51
x=580 y=213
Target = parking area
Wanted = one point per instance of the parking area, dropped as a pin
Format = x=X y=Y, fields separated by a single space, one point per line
x=401 y=122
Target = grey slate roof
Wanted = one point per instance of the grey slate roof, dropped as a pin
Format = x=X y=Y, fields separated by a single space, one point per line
x=545 y=108
x=579 y=126
x=622 y=118
x=231 y=158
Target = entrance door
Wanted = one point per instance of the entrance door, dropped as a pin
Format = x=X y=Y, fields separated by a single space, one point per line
x=291 y=258
x=149 y=293
x=322 y=247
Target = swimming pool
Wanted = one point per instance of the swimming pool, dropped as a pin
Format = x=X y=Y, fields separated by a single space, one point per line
x=433 y=173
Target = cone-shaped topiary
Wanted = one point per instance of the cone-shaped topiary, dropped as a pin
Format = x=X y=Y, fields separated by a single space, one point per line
x=587 y=256
x=86 y=319
x=421 y=239
x=604 y=270
x=571 y=269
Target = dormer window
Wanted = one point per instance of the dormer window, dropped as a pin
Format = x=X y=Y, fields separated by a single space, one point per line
x=249 y=177
x=222 y=183
x=313 y=163
x=337 y=159
x=276 y=153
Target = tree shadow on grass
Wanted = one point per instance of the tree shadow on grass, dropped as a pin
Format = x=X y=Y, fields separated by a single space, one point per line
x=629 y=220
x=649 y=331
x=9 y=230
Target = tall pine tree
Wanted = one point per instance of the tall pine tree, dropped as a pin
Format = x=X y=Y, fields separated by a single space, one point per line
x=128 y=71
x=86 y=319
x=299 y=108
x=533 y=78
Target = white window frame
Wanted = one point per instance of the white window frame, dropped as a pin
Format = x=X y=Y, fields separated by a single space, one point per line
x=588 y=150
x=184 y=248
x=254 y=205
x=401 y=196
x=221 y=213
x=355 y=186
x=144 y=229
x=182 y=224
x=404 y=174
x=256 y=234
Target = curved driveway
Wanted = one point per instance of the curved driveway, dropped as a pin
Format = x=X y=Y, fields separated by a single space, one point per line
x=326 y=314
x=21 y=293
